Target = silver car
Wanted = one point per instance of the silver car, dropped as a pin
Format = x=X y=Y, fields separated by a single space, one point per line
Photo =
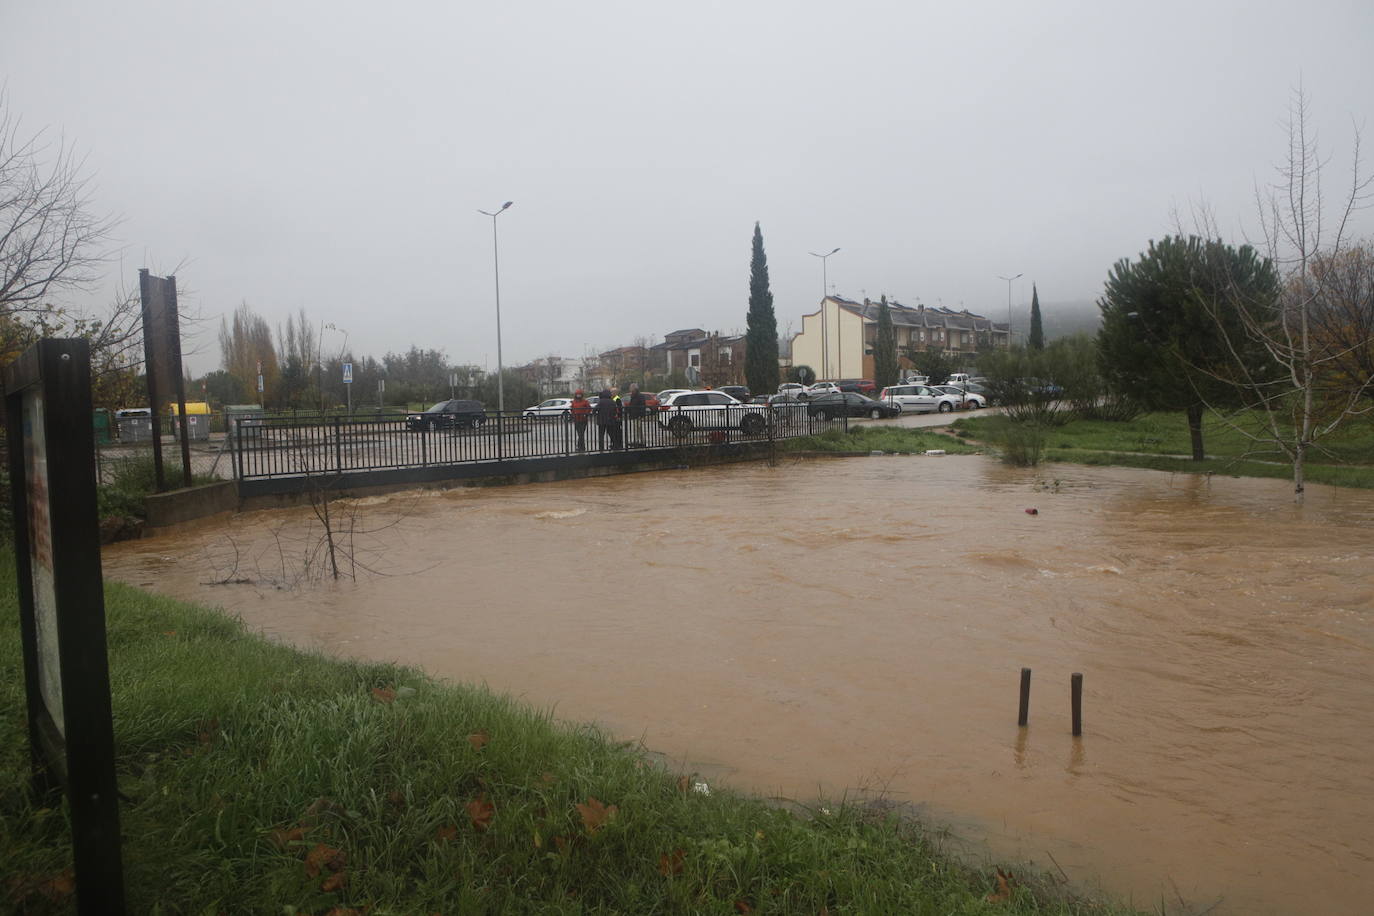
x=919 y=398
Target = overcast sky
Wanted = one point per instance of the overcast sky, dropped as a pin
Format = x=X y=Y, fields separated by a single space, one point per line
x=333 y=155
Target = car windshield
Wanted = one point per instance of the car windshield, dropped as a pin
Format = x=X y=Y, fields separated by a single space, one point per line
x=438 y=408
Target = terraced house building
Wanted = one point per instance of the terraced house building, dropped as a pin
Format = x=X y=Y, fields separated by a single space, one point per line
x=837 y=340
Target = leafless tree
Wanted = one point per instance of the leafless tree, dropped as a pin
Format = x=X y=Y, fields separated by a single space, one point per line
x=1303 y=235
x=50 y=236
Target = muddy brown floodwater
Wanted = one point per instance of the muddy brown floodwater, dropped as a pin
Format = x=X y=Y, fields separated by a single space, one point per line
x=824 y=626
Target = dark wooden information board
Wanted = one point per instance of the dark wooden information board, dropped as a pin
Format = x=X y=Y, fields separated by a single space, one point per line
x=62 y=605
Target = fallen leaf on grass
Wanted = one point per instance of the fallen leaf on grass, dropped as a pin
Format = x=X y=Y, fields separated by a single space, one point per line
x=479 y=740
x=548 y=778
x=1005 y=882
x=384 y=695
x=322 y=857
x=446 y=833
x=169 y=632
x=481 y=811
x=282 y=839
x=396 y=798
x=562 y=843
x=684 y=783
x=341 y=911
x=742 y=907
x=59 y=887
x=334 y=882
x=595 y=815
x=671 y=863
x=206 y=731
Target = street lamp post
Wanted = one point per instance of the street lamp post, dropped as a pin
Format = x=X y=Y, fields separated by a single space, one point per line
x=1009 y=279
x=825 y=293
x=496 y=265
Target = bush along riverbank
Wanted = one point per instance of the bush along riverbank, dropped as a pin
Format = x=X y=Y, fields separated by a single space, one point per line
x=260 y=779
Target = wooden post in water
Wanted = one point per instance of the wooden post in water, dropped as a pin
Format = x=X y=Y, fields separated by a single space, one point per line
x=1076 y=693
x=1024 y=714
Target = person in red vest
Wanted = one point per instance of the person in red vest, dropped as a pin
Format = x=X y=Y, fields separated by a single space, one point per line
x=581 y=411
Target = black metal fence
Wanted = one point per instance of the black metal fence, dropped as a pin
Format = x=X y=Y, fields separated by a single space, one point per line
x=269 y=447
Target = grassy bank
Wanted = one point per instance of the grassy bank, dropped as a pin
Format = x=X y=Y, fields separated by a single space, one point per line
x=874 y=437
x=1160 y=441
x=259 y=779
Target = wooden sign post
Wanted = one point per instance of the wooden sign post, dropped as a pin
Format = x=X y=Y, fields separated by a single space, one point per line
x=62 y=606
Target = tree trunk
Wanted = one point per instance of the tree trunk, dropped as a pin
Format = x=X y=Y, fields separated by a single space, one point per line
x=1195 y=430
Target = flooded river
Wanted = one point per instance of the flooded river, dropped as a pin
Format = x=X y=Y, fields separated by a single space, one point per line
x=860 y=624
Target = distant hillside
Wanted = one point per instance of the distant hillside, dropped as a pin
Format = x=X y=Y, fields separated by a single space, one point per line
x=1061 y=319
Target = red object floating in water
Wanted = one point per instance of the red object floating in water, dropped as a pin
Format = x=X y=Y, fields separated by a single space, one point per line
x=1032 y=511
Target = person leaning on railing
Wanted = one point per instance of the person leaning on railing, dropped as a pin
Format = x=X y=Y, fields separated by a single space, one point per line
x=635 y=412
x=581 y=410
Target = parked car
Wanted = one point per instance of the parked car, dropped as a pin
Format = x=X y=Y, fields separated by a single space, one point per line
x=816 y=390
x=967 y=396
x=691 y=410
x=790 y=391
x=454 y=413
x=861 y=385
x=667 y=392
x=916 y=380
x=957 y=378
x=738 y=392
x=919 y=398
x=1041 y=388
x=550 y=409
x=849 y=404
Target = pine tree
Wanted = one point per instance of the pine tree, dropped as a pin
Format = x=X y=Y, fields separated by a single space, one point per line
x=885 y=349
x=761 y=340
x=1036 y=341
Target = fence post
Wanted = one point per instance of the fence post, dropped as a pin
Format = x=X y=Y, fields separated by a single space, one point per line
x=1076 y=699
x=338 y=447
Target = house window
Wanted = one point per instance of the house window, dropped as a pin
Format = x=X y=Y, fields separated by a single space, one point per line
x=695 y=359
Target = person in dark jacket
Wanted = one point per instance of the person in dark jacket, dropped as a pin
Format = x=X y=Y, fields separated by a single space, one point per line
x=608 y=418
x=581 y=410
x=635 y=412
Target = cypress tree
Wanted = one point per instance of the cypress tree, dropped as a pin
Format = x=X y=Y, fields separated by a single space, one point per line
x=761 y=340
x=1036 y=341
x=885 y=349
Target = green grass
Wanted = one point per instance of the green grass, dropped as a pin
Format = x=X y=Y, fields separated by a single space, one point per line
x=247 y=765
x=867 y=438
x=1160 y=441
x=133 y=478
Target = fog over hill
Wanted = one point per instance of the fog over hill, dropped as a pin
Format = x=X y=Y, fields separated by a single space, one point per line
x=1060 y=319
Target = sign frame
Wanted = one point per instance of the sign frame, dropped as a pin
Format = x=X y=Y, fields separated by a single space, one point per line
x=62 y=606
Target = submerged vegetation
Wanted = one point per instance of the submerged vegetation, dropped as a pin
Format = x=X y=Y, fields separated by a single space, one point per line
x=874 y=437
x=257 y=778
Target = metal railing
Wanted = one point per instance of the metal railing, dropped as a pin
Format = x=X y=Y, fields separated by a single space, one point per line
x=290 y=446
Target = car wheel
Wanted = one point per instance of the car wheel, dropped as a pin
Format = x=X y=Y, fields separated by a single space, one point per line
x=974 y=405
x=680 y=427
x=895 y=406
x=946 y=407
x=876 y=413
x=752 y=425
x=567 y=415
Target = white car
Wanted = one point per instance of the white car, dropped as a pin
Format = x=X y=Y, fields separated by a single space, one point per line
x=919 y=398
x=970 y=399
x=790 y=390
x=550 y=409
x=685 y=411
x=819 y=388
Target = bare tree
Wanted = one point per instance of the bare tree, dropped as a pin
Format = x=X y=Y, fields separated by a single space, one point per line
x=1301 y=233
x=50 y=238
